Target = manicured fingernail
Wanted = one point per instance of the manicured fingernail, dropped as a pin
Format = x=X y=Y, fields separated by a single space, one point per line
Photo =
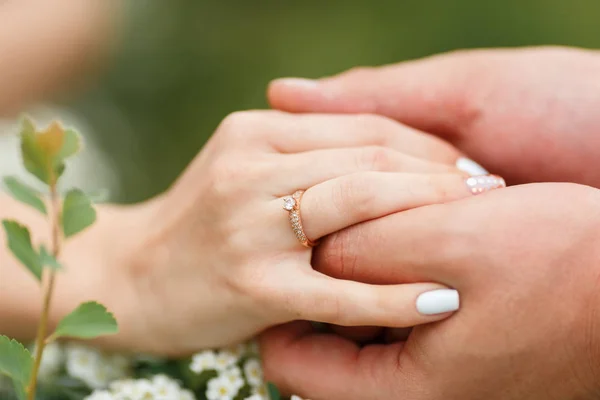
x=484 y=183
x=438 y=301
x=297 y=82
x=470 y=167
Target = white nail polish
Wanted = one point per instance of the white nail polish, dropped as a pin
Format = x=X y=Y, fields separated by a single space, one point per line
x=438 y=301
x=470 y=167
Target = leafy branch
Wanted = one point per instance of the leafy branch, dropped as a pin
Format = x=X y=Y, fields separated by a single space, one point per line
x=44 y=154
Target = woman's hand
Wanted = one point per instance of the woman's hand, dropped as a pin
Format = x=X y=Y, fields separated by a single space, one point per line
x=528 y=114
x=526 y=261
x=219 y=261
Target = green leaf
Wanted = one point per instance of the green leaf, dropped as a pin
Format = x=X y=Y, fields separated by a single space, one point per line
x=87 y=321
x=34 y=159
x=24 y=193
x=78 y=212
x=44 y=152
x=273 y=392
x=20 y=391
x=19 y=243
x=15 y=362
x=71 y=145
x=47 y=259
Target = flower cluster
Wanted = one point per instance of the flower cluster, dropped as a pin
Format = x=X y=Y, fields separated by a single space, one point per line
x=158 y=387
x=52 y=362
x=236 y=371
x=94 y=368
x=232 y=373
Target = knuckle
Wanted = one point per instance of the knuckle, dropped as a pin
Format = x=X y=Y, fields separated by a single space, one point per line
x=358 y=72
x=380 y=128
x=377 y=158
x=235 y=120
x=353 y=195
x=241 y=124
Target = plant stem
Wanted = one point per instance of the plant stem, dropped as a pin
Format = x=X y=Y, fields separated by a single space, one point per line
x=48 y=289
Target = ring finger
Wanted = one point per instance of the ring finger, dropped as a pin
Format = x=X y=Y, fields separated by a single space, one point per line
x=350 y=199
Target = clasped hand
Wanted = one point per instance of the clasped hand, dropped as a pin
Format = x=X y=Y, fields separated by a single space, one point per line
x=525 y=259
x=218 y=261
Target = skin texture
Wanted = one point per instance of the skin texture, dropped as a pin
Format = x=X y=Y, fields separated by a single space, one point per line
x=217 y=249
x=526 y=263
x=530 y=115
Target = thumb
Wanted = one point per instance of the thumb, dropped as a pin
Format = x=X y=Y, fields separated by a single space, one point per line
x=328 y=367
x=429 y=94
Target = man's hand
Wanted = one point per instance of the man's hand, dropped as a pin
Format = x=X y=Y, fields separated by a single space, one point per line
x=531 y=115
x=526 y=262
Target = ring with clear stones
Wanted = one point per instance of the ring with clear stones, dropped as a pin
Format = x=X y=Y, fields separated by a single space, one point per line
x=292 y=205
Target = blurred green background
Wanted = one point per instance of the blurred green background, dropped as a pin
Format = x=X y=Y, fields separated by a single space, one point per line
x=185 y=64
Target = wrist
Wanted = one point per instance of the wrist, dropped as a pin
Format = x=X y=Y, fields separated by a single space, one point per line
x=144 y=270
x=97 y=268
x=138 y=306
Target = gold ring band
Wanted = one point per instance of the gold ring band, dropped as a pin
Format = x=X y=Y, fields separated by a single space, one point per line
x=292 y=205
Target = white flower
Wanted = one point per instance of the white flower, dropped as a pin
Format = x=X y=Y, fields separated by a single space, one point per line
x=186 y=395
x=224 y=360
x=294 y=397
x=253 y=372
x=234 y=374
x=94 y=368
x=134 y=390
x=168 y=388
x=220 y=388
x=53 y=359
x=100 y=395
x=160 y=387
x=116 y=386
x=203 y=361
x=255 y=397
x=260 y=391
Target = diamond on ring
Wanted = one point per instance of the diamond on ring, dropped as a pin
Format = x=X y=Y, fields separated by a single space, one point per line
x=289 y=203
x=292 y=205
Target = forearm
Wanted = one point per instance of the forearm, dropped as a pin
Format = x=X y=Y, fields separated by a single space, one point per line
x=46 y=43
x=95 y=268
